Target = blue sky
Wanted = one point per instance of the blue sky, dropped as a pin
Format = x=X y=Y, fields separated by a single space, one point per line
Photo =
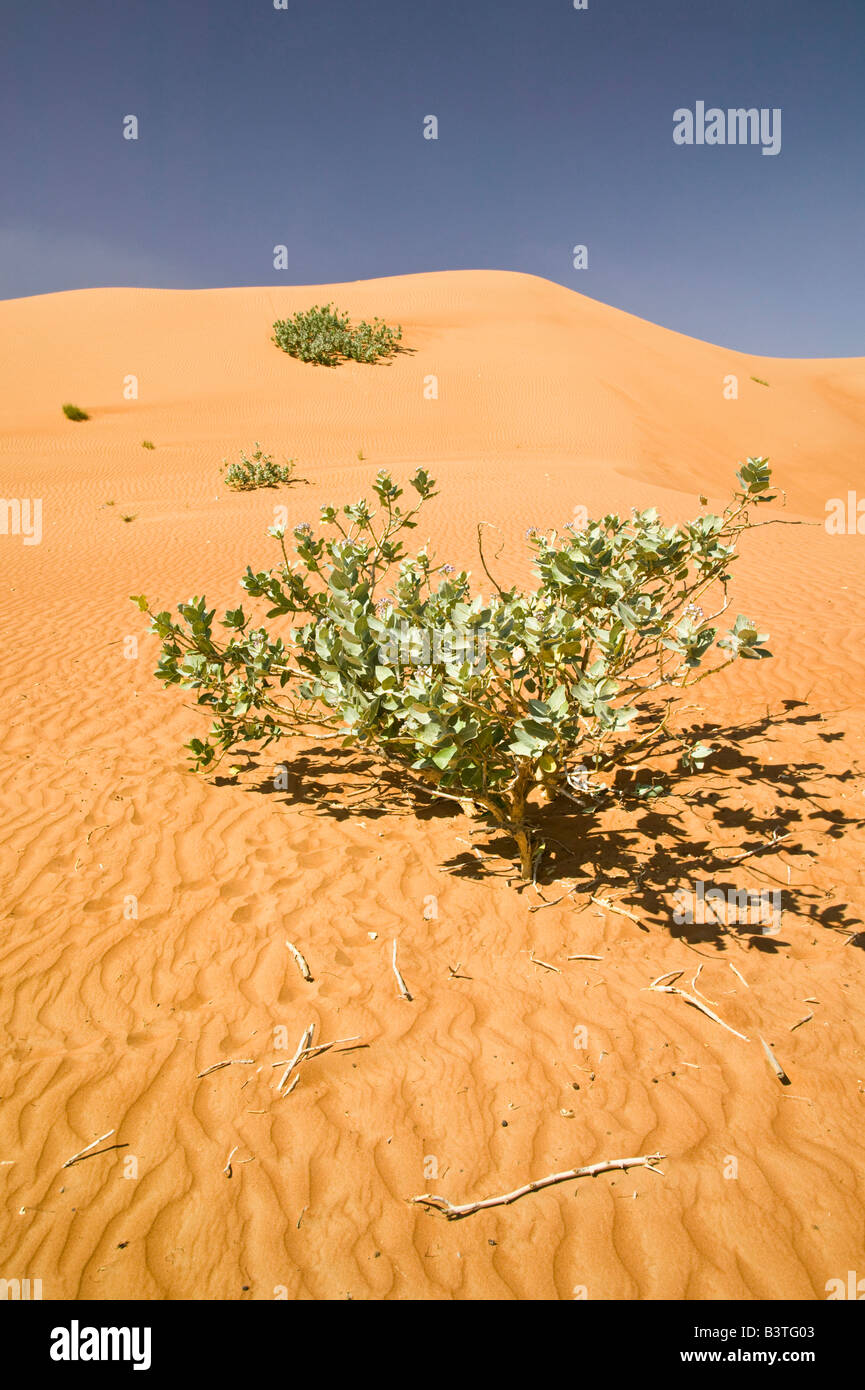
x=304 y=127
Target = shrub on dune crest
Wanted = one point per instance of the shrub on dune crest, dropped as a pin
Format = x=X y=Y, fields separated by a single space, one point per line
x=73 y=412
x=492 y=701
x=325 y=335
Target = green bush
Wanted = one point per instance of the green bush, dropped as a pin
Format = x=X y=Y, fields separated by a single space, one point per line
x=147 y=444
x=259 y=471
x=72 y=412
x=322 y=334
x=488 y=700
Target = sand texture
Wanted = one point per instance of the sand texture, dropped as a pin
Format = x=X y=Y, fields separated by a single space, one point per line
x=483 y=1081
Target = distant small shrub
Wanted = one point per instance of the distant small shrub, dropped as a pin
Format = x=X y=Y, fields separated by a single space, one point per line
x=130 y=518
x=72 y=412
x=147 y=444
x=259 y=471
x=759 y=380
x=325 y=335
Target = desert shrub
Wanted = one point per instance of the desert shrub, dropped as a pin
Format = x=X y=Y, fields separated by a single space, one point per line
x=488 y=700
x=72 y=412
x=325 y=335
x=147 y=444
x=259 y=471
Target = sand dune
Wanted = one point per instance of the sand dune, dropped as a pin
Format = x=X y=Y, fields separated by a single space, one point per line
x=546 y=400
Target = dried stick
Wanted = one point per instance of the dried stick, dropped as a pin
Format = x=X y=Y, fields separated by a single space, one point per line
x=699 y=991
x=584 y=957
x=550 y=902
x=82 y=1152
x=536 y=960
x=749 y=853
x=302 y=965
x=577 y=888
x=774 y=1064
x=232 y=1062
x=403 y=988
x=666 y=976
x=314 y=1051
x=304 y=1043
x=227 y=1169
x=689 y=998
x=455 y=1213
x=613 y=907
x=455 y=972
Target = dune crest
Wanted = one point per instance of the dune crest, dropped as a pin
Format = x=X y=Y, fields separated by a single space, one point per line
x=145 y=911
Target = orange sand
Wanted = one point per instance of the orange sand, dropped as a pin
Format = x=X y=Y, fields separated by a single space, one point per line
x=547 y=400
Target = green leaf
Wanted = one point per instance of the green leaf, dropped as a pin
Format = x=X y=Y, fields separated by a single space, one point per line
x=442 y=756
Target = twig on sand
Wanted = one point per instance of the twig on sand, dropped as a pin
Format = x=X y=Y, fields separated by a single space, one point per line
x=325 y=1047
x=749 y=853
x=232 y=1062
x=775 y=1064
x=455 y=1213
x=454 y=972
x=536 y=960
x=403 y=988
x=806 y=1019
x=614 y=907
x=227 y=1169
x=583 y=887
x=551 y=902
x=704 y=1009
x=314 y=1051
x=699 y=991
x=84 y=1152
x=304 y=1051
x=668 y=974
x=736 y=972
x=304 y=1043
x=302 y=965
x=584 y=957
